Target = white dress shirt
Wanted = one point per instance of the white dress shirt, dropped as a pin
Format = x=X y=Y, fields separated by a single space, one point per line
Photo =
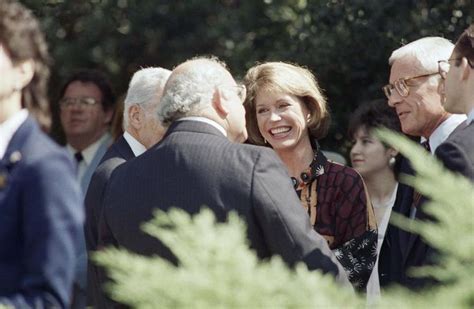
x=470 y=117
x=136 y=146
x=441 y=133
x=87 y=155
x=206 y=120
x=8 y=129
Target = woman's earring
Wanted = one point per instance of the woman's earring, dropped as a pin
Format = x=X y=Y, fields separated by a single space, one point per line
x=16 y=87
x=265 y=141
x=391 y=162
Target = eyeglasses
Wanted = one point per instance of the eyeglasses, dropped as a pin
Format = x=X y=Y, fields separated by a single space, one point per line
x=241 y=92
x=444 y=65
x=401 y=85
x=83 y=102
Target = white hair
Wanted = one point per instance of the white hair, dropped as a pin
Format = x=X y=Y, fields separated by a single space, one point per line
x=188 y=91
x=427 y=52
x=145 y=89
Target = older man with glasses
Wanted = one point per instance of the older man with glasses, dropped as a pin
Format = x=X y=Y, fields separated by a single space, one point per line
x=413 y=92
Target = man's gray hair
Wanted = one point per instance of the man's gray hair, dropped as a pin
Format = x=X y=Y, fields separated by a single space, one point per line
x=189 y=91
x=427 y=51
x=145 y=89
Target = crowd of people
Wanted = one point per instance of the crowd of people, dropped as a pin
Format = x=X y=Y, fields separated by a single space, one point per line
x=194 y=137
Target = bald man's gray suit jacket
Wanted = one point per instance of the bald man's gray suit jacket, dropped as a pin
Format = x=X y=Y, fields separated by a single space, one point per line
x=196 y=165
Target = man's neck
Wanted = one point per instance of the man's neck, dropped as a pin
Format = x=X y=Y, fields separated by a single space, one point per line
x=80 y=143
x=435 y=124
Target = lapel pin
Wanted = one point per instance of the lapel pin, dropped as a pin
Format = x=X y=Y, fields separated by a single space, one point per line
x=15 y=157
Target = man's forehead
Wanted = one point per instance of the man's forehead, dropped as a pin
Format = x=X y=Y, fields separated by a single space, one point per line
x=80 y=87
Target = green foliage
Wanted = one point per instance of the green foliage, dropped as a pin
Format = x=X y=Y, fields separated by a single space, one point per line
x=218 y=270
x=346 y=43
x=452 y=206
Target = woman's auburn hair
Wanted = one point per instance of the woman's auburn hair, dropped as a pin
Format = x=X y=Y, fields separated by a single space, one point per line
x=290 y=79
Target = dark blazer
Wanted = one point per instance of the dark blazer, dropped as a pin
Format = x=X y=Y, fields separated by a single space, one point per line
x=402 y=250
x=195 y=165
x=117 y=154
x=392 y=262
x=40 y=223
x=457 y=152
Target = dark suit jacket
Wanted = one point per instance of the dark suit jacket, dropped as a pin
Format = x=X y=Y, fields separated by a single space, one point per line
x=392 y=257
x=117 y=154
x=402 y=250
x=195 y=165
x=40 y=222
x=457 y=152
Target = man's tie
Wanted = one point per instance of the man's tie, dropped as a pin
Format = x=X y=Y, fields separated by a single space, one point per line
x=417 y=195
x=426 y=145
x=78 y=156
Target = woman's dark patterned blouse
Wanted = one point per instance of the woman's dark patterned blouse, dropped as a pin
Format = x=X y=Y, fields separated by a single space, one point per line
x=339 y=208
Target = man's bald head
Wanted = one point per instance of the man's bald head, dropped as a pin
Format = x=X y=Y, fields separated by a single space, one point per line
x=191 y=86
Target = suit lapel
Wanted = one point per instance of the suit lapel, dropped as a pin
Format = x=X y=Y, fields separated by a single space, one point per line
x=13 y=153
x=95 y=161
x=20 y=136
x=123 y=149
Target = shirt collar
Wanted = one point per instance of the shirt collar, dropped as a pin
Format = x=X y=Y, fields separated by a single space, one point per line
x=8 y=129
x=441 y=133
x=206 y=120
x=470 y=117
x=89 y=153
x=136 y=146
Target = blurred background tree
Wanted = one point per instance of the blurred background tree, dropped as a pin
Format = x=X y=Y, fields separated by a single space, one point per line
x=345 y=43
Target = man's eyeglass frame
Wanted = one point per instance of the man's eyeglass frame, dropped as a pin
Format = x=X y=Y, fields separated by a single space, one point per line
x=401 y=85
x=444 y=66
x=83 y=102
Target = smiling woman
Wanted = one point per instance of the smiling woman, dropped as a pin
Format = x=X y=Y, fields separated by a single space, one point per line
x=286 y=110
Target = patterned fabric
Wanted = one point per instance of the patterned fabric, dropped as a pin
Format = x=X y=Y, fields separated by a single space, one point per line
x=337 y=203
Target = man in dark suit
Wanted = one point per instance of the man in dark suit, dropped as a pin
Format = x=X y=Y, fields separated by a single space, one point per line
x=457 y=152
x=142 y=130
x=86 y=107
x=201 y=163
x=413 y=92
x=41 y=211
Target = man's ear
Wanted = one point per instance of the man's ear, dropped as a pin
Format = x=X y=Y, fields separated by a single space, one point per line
x=219 y=103
x=135 y=116
x=466 y=68
x=26 y=71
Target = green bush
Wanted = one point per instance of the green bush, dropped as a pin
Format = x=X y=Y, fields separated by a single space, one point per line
x=218 y=270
